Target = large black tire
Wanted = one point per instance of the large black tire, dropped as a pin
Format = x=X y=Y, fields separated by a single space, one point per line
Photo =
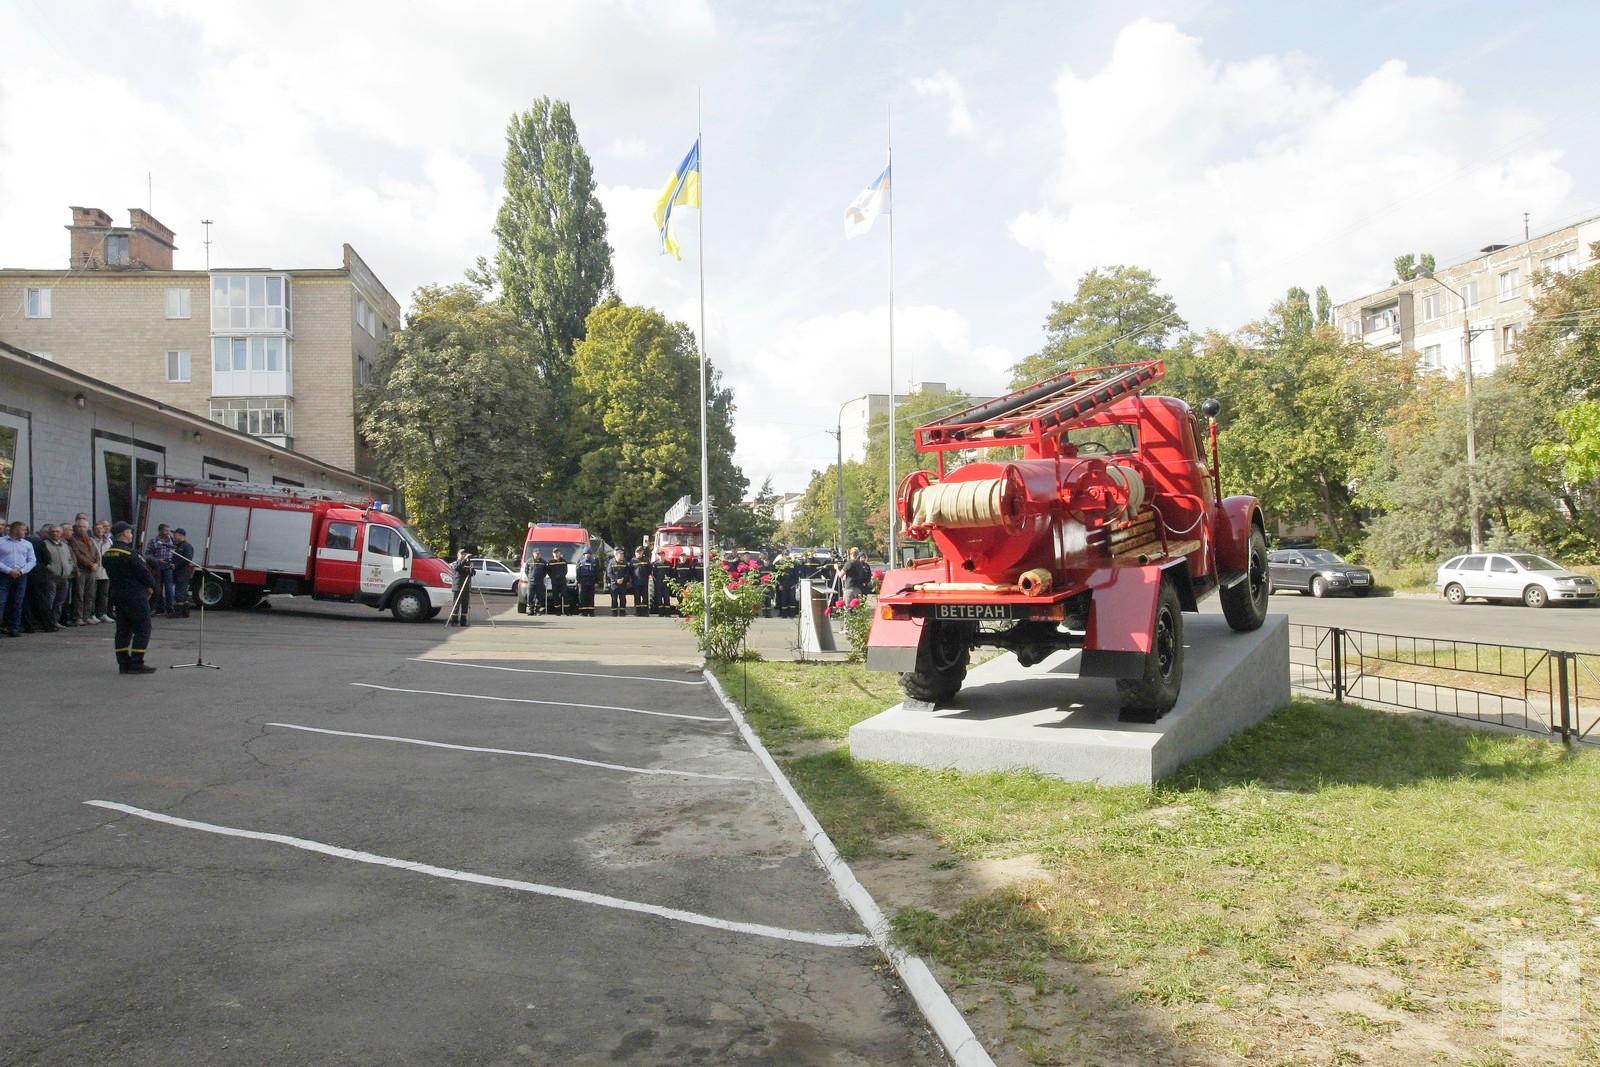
x=213 y=591
x=1147 y=698
x=941 y=665
x=1245 y=604
x=410 y=605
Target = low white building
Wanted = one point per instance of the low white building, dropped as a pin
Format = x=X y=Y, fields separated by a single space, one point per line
x=71 y=443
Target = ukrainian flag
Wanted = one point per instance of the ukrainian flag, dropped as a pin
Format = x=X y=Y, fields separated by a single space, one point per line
x=681 y=190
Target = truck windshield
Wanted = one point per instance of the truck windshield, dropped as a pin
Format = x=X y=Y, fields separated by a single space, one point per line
x=676 y=538
x=418 y=548
x=570 y=550
x=1099 y=440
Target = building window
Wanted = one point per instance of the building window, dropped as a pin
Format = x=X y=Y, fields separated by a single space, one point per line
x=8 y=467
x=249 y=302
x=1469 y=294
x=1510 y=283
x=117 y=250
x=178 y=306
x=249 y=353
x=1352 y=330
x=367 y=317
x=1565 y=263
x=363 y=371
x=1429 y=358
x=1510 y=337
x=1380 y=319
x=177 y=366
x=37 y=304
x=260 y=416
x=1430 y=307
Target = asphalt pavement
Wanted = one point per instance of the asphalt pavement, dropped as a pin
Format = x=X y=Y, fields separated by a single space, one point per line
x=1569 y=627
x=370 y=842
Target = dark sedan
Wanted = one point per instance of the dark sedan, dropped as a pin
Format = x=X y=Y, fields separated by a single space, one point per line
x=1316 y=571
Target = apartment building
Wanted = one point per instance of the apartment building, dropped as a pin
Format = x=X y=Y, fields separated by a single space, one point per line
x=1498 y=285
x=277 y=353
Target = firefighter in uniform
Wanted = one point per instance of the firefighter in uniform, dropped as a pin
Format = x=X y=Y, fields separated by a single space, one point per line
x=132 y=586
x=641 y=582
x=586 y=574
x=557 y=570
x=537 y=572
x=618 y=578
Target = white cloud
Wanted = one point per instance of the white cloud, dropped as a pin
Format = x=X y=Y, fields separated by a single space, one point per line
x=944 y=86
x=1233 y=181
x=628 y=148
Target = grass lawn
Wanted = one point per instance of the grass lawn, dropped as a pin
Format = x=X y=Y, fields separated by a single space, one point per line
x=1338 y=885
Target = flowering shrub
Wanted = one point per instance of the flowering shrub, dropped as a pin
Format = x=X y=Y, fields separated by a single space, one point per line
x=856 y=615
x=737 y=594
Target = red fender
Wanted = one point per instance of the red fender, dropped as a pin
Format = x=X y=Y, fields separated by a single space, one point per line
x=892 y=643
x=1122 y=618
x=1230 y=532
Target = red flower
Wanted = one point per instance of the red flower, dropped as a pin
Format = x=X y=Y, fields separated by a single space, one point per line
x=877 y=576
x=766 y=579
x=733 y=585
x=839 y=603
x=855 y=602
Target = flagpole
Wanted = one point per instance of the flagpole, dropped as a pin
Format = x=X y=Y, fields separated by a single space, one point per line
x=705 y=466
x=893 y=418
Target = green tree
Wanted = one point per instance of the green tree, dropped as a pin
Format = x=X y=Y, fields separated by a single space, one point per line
x=1409 y=266
x=814 y=523
x=554 y=262
x=1302 y=413
x=1559 y=356
x=1324 y=307
x=915 y=410
x=752 y=523
x=447 y=416
x=636 y=422
x=1117 y=315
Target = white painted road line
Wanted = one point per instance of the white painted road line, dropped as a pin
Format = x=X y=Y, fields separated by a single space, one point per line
x=515 y=752
x=569 y=674
x=547 y=703
x=758 y=929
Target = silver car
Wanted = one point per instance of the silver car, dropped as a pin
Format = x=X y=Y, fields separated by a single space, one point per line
x=1534 y=580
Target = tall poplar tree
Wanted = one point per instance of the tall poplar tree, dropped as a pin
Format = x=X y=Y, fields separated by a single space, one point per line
x=554 y=262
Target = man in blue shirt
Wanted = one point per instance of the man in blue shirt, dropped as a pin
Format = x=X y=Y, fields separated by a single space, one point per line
x=16 y=560
x=158 y=554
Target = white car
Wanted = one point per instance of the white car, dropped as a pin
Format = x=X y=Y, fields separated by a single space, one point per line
x=492 y=576
x=1534 y=580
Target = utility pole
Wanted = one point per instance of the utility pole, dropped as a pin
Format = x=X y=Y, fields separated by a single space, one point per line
x=1474 y=514
x=838 y=485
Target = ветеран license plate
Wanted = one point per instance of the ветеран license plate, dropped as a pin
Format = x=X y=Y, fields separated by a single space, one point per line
x=980 y=612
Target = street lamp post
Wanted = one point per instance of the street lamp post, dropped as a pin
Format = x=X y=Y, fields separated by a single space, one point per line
x=1474 y=516
x=838 y=485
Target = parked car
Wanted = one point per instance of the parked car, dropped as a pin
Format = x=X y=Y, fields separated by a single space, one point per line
x=492 y=576
x=1534 y=580
x=1316 y=571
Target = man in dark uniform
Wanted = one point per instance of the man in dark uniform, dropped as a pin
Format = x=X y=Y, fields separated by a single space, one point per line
x=660 y=589
x=460 y=589
x=132 y=586
x=536 y=574
x=588 y=573
x=557 y=569
x=641 y=581
x=182 y=571
x=618 y=578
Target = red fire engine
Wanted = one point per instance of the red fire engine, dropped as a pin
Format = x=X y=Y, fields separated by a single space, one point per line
x=680 y=537
x=258 y=539
x=1106 y=529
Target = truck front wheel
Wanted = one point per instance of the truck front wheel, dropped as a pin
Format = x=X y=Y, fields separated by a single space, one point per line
x=1244 y=604
x=410 y=605
x=941 y=665
x=213 y=591
x=1152 y=695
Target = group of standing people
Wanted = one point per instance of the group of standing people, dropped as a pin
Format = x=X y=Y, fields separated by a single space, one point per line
x=82 y=575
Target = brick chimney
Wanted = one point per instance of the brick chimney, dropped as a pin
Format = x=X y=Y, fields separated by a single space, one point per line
x=144 y=244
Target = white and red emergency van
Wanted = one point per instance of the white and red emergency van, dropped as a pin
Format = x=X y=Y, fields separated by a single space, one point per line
x=254 y=540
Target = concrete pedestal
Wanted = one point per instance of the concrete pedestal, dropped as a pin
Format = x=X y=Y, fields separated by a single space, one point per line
x=1045 y=718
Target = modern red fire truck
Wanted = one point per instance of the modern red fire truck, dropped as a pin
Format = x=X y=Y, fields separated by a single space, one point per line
x=1108 y=527
x=253 y=540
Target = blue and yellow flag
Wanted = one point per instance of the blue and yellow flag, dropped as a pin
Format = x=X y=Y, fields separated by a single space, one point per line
x=682 y=190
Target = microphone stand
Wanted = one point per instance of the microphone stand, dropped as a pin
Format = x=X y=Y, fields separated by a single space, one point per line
x=200 y=650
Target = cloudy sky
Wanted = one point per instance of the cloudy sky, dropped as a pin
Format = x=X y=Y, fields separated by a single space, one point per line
x=1233 y=148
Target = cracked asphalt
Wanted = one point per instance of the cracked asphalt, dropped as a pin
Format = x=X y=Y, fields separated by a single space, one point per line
x=130 y=941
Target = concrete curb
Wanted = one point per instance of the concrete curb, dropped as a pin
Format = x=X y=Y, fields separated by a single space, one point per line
x=942 y=1014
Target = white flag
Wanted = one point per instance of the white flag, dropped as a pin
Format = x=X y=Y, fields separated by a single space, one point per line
x=874 y=200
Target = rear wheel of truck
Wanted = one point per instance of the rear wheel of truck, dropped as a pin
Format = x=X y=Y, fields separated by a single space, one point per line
x=941 y=665
x=1147 y=698
x=213 y=591
x=410 y=605
x=1244 y=604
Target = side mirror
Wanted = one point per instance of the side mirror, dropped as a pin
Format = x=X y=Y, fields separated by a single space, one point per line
x=1211 y=407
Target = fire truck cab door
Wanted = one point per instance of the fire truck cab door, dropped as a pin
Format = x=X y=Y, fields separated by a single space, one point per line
x=338 y=551
x=384 y=559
